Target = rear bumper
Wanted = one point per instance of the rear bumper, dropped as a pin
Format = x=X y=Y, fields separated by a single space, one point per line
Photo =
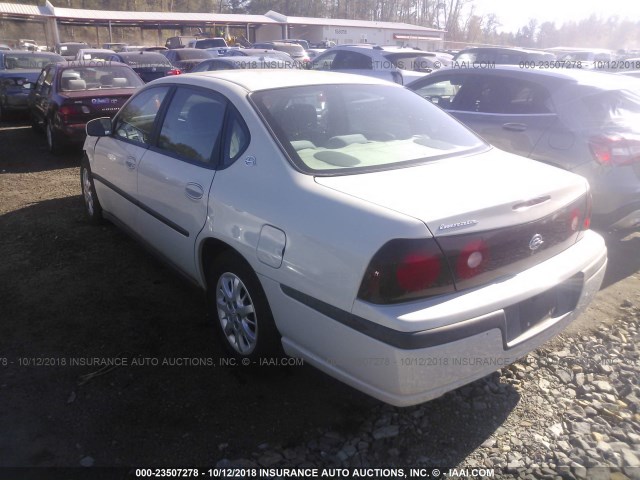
x=73 y=133
x=405 y=355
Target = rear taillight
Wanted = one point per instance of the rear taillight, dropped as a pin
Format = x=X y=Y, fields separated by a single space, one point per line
x=615 y=149
x=67 y=111
x=583 y=216
x=404 y=270
x=175 y=71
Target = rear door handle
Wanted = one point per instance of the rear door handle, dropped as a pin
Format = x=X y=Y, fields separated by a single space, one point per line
x=515 y=127
x=131 y=163
x=194 y=191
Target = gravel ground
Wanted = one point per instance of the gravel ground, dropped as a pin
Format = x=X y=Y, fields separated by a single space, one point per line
x=574 y=413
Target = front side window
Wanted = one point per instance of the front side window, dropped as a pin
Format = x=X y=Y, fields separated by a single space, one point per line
x=342 y=128
x=136 y=120
x=192 y=126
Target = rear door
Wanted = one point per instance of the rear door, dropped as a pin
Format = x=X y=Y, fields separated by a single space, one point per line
x=175 y=175
x=510 y=113
x=40 y=96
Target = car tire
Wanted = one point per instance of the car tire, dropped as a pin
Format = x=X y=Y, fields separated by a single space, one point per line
x=53 y=143
x=92 y=206
x=35 y=126
x=240 y=311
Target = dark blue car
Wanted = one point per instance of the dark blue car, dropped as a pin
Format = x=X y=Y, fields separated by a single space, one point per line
x=148 y=65
x=17 y=70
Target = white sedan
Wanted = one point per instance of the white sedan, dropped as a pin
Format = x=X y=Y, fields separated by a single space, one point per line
x=347 y=221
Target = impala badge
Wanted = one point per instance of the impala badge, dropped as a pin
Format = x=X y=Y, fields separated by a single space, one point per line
x=536 y=242
x=464 y=223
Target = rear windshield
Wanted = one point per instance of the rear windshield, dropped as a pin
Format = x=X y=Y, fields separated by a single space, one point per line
x=98 y=77
x=88 y=55
x=71 y=49
x=211 y=43
x=341 y=128
x=22 y=61
x=620 y=108
x=146 y=60
x=192 y=54
x=290 y=48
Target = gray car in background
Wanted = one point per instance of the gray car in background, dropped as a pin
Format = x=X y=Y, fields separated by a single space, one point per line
x=582 y=121
x=396 y=64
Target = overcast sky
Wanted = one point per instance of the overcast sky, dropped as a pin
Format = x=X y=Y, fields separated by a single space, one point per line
x=514 y=14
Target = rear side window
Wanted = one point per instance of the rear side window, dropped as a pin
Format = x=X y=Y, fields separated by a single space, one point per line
x=493 y=94
x=136 y=120
x=237 y=139
x=192 y=126
x=346 y=60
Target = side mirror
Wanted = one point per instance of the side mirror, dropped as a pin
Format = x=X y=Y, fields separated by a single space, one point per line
x=99 y=127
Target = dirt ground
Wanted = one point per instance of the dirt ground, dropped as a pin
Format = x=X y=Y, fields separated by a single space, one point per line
x=70 y=292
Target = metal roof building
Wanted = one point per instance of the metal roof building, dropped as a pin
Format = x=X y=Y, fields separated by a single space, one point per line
x=272 y=25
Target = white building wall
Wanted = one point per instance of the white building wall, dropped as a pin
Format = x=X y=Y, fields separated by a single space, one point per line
x=264 y=33
x=345 y=35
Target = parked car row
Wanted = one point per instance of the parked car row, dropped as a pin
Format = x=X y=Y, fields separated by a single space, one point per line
x=463 y=250
x=581 y=121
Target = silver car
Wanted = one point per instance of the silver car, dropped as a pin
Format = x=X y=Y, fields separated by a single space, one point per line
x=396 y=64
x=581 y=121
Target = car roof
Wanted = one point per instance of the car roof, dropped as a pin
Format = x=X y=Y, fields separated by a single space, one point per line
x=30 y=53
x=96 y=50
x=255 y=80
x=140 y=53
x=501 y=49
x=602 y=80
x=380 y=49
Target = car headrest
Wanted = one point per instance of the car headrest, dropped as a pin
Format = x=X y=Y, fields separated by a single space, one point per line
x=77 y=84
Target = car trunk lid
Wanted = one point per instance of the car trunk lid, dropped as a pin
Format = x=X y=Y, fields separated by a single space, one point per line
x=492 y=214
x=82 y=106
